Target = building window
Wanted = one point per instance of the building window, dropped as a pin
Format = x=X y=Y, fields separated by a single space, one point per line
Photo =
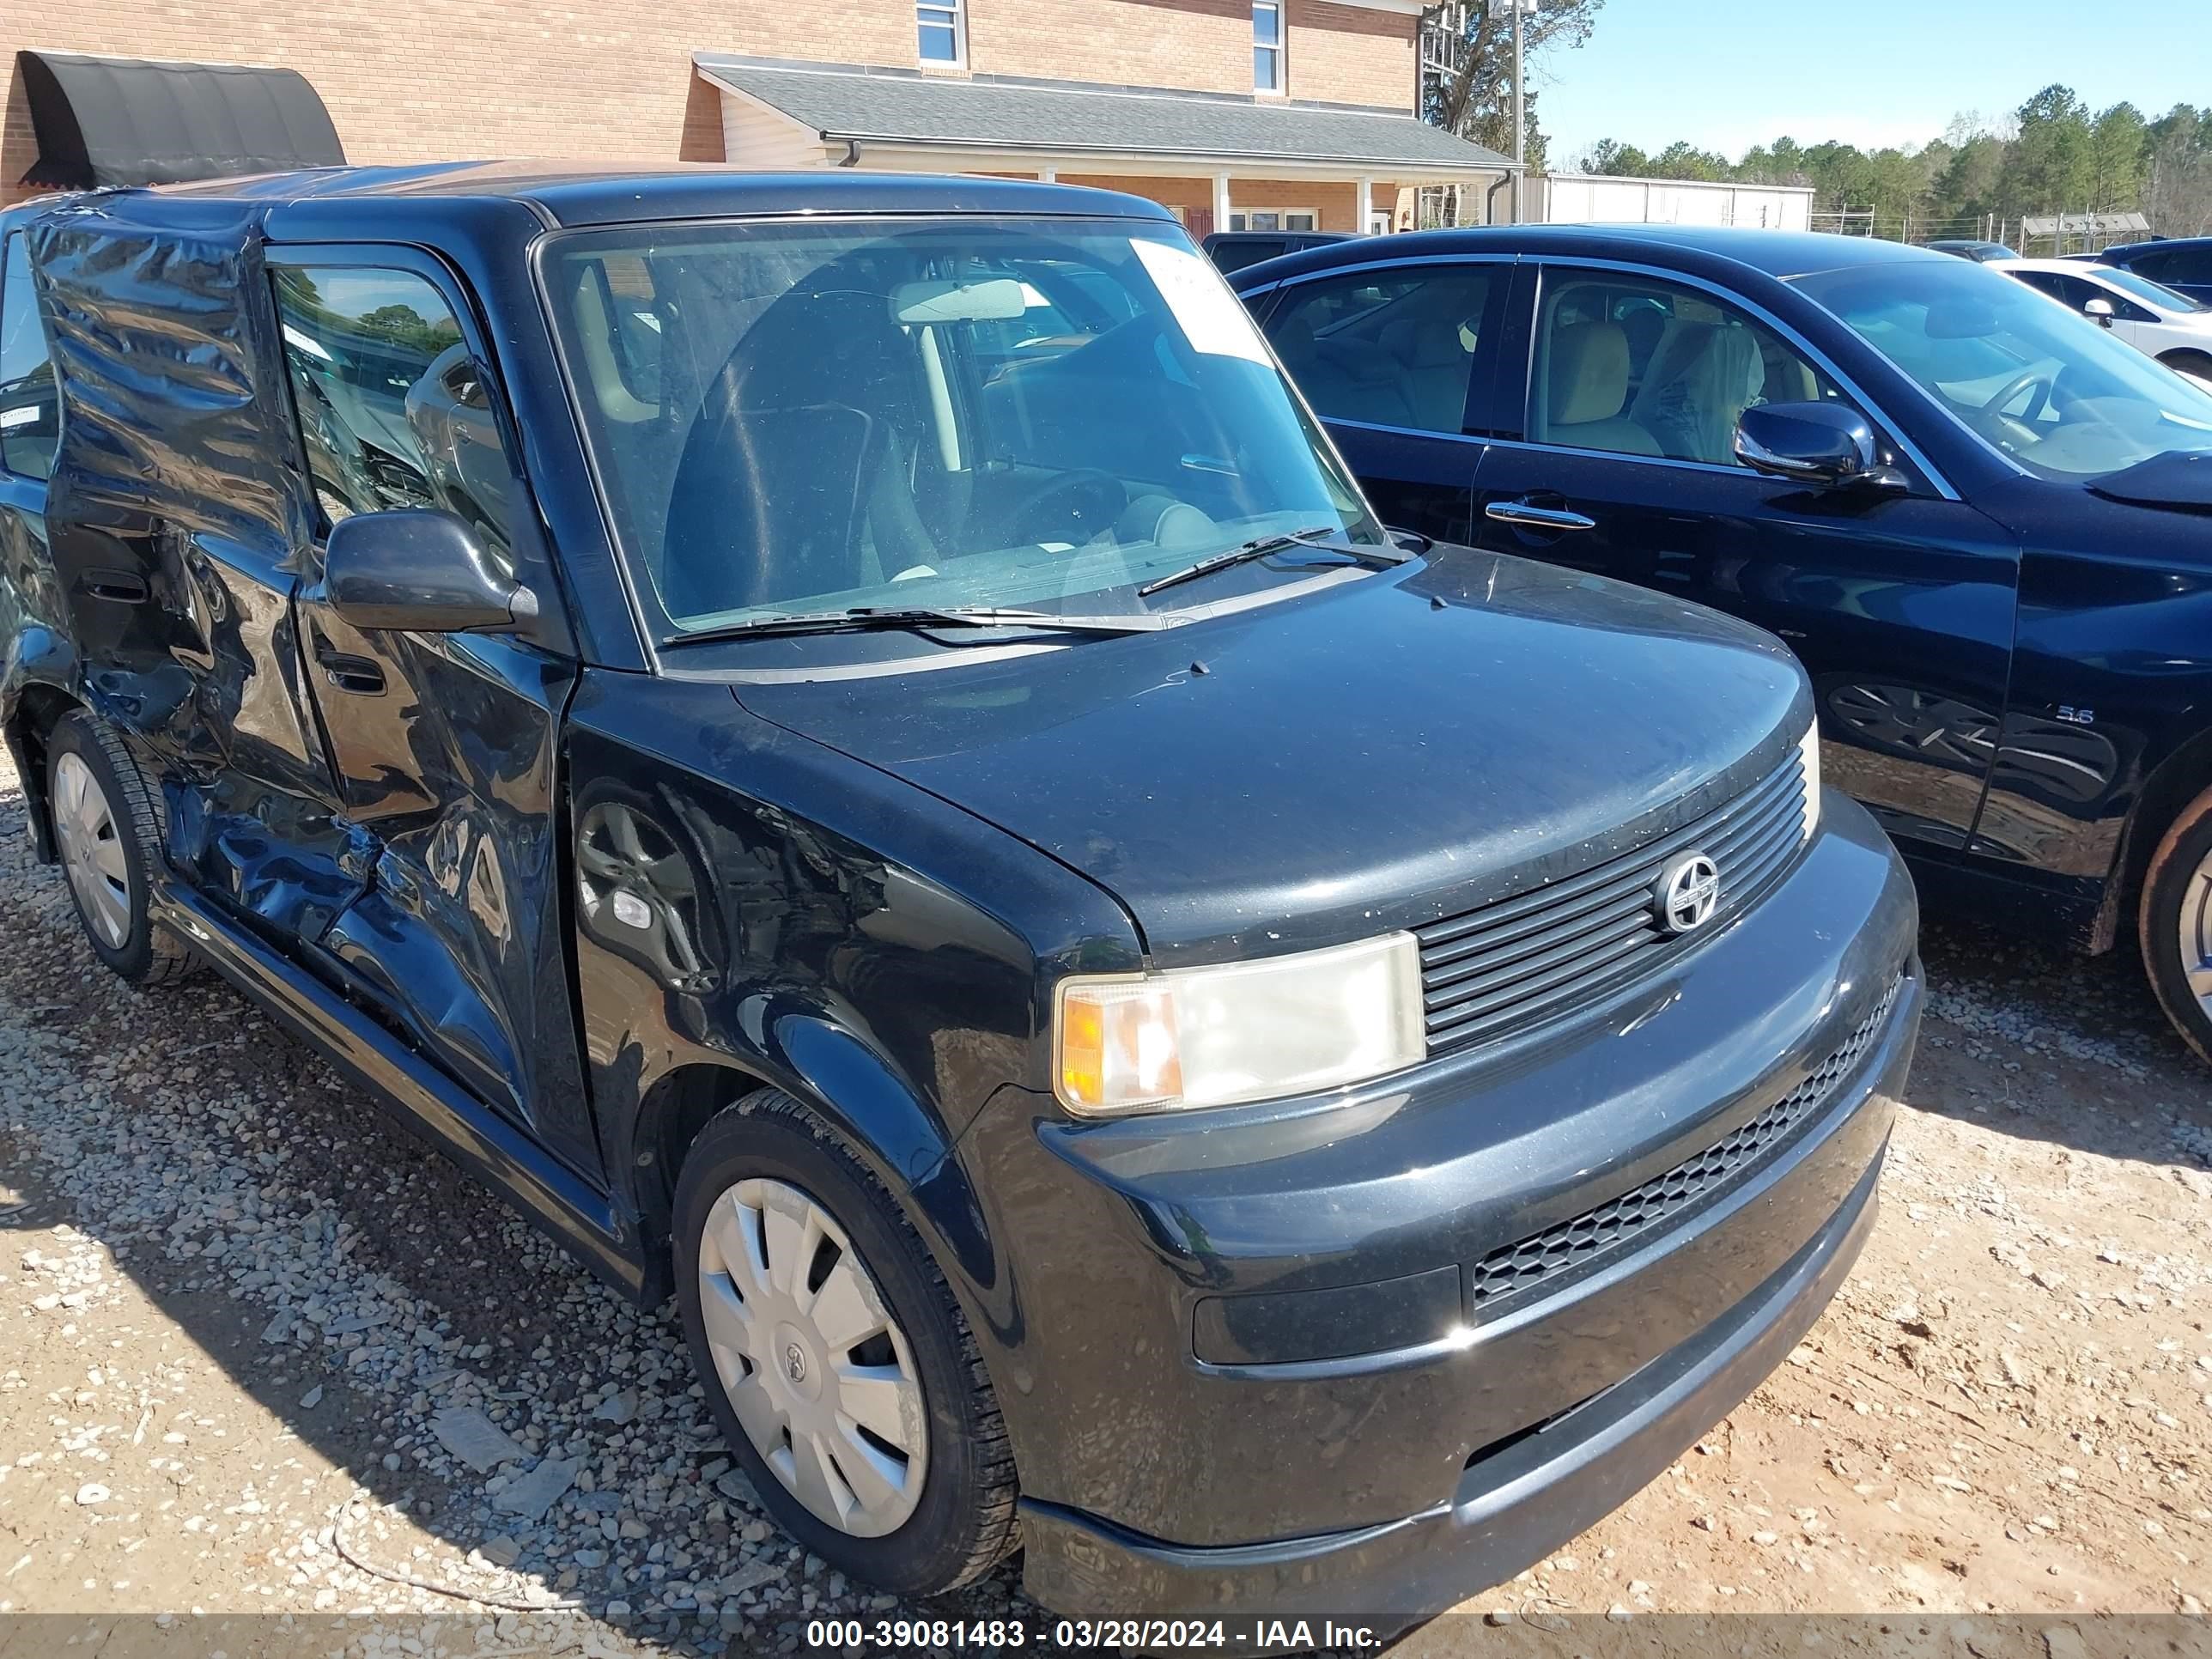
x=1278 y=219
x=1266 y=45
x=938 y=21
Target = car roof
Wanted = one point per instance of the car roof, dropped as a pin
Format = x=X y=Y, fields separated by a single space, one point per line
x=2158 y=245
x=1781 y=253
x=569 y=194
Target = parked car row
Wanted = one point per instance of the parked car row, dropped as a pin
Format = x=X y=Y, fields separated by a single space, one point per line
x=857 y=748
x=2158 y=321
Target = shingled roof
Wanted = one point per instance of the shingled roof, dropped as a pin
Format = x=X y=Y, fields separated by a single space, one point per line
x=1000 y=114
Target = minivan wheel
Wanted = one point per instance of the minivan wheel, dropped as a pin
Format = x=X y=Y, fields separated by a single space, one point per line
x=2175 y=924
x=107 y=828
x=838 y=1365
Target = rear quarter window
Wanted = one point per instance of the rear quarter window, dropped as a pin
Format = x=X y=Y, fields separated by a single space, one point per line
x=30 y=398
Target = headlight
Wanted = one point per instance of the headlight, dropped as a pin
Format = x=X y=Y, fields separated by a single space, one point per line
x=1248 y=1030
x=1809 y=747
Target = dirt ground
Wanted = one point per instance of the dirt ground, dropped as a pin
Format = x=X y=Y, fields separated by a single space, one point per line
x=246 y=1321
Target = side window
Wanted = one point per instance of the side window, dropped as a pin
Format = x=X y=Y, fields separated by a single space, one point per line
x=30 y=402
x=2188 y=266
x=394 y=411
x=1392 y=348
x=1641 y=367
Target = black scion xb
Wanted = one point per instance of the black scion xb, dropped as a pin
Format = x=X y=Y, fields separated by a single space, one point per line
x=848 y=744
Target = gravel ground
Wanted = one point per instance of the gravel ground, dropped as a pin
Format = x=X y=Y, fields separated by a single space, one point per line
x=267 y=1353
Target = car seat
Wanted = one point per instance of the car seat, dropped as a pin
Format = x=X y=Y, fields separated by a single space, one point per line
x=785 y=488
x=1585 y=384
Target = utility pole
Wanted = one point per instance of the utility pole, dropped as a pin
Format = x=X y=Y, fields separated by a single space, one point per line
x=1520 y=123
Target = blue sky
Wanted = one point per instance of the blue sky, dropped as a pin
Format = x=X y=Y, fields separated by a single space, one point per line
x=1728 y=74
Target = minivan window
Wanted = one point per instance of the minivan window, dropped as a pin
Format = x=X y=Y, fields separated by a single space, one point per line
x=947 y=412
x=30 y=402
x=394 y=411
x=2059 y=395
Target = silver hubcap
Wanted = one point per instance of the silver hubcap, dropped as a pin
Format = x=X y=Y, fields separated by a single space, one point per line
x=2197 y=934
x=820 y=1374
x=92 y=851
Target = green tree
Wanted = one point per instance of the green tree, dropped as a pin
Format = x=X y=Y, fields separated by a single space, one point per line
x=2051 y=167
x=2119 y=153
x=1610 y=155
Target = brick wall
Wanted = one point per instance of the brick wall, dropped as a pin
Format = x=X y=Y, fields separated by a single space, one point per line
x=1336 y=54
x=455 y=78
x=592 y=79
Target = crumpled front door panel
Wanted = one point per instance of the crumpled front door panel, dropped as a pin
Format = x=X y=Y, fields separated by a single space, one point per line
x=451 y=766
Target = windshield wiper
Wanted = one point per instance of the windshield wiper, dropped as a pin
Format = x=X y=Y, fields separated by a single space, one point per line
x=1312 y=536
x=861 y=618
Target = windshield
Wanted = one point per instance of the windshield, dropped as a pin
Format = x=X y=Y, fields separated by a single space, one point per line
x=2061 y=396
x=794 y=420
x=2156 y=294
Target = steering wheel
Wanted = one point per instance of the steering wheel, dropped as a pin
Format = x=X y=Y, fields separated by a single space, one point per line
x=1071 y=508
x=2042 y=380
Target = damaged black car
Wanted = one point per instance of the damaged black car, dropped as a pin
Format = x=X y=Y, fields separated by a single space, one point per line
x=849 y=745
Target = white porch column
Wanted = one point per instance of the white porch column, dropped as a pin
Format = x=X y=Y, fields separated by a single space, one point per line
x=1048 y=175
x=1221 y=201
x=1366 y=205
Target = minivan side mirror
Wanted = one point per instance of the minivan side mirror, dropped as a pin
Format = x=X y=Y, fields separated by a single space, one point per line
x=1824 y=445
x=2101 y=308
x=417 y=569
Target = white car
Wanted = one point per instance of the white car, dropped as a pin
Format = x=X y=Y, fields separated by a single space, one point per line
x=2149 y=316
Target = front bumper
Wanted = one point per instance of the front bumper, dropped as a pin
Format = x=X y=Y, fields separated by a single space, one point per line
x=1375 y=1426
x=1512 y=1508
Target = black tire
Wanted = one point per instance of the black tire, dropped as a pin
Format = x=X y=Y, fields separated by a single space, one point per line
x=2189 y=363
x=145 y=954
x=964 y=1523
x=2172 y=897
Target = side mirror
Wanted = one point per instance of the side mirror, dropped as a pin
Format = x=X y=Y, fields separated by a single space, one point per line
x=1823 y=445
x=2100 y=308
x=418 y=570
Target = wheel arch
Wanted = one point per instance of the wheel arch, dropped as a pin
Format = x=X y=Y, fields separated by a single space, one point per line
x=2177 y=780
x=854 y=1091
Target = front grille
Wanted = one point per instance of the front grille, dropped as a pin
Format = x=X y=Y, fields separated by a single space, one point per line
x=1538 y=954
x=1615 y=1224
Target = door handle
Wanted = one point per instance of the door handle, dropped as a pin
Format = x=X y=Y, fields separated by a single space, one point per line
x=123 y=586
x=1533 y=517
x=347 y=672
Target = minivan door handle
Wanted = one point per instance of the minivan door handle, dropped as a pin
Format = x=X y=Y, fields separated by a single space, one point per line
x=1533 y=517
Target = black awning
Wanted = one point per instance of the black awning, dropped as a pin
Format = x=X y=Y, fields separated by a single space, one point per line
x=125 y=121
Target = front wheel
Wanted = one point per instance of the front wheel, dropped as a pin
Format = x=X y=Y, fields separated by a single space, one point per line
x=2175 y=924
x=838 y=1365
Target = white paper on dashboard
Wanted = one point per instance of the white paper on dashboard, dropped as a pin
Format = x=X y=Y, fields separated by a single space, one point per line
x=1212 y=319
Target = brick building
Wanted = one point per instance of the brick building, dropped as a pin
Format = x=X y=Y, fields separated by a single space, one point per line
x=1236 y=113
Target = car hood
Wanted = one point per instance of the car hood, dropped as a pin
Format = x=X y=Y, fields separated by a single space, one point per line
x=1369 y=755
x=2181 y=481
